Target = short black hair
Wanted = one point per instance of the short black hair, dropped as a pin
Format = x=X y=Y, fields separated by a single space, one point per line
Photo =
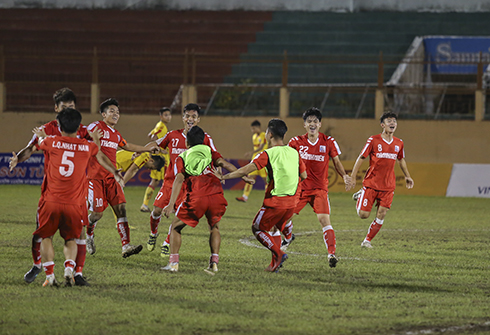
x=64 y=95
x=195 y=136
x=107 y=103
x=69 y=120
x=277 y=128
x=256 y=123
x=159 y=161
x=193 y=107
x=387 y=115
x=313 y=111
x=164 y=109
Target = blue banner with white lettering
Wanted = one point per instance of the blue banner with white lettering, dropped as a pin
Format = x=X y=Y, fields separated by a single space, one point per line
x=29 y=172
x=445 y=52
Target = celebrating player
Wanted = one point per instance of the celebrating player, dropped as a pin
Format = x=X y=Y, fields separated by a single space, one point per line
x=103 y=188
x=260 y=144
x=379 y=182
x=203 y=196
x=64 y=191
x=316 y=149
x=174 y=143
x=63 y=98
x=157 y=175
x=284 y=170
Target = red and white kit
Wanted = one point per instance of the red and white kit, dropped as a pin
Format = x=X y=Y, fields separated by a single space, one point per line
x=379 y=182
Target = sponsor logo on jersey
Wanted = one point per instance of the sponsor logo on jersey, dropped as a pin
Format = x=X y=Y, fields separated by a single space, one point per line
x=323 y=148
x=386 y=155
x=397 y=148
x=177 y=151
x=108 y=144
x=310 y=157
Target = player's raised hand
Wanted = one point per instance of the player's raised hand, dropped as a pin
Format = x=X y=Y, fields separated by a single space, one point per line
x=153 y=148
x=39 y=132
x=13 y=161
x=409 y=182
x=167 y=210
x=96 y=135
x=218 y=173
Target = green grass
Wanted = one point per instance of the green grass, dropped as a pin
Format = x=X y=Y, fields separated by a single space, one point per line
x=429 y=270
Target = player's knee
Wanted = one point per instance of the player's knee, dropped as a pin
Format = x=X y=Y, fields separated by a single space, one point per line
x=363 y=215
x=157 y=211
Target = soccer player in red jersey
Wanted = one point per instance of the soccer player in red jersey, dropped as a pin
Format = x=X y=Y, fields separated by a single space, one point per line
x=174 y=143
x=203 y=196
x=64 y=191
x=103 y=188
x=284 y=170
x=316 y=149
x=63 y=98
x=379 y=182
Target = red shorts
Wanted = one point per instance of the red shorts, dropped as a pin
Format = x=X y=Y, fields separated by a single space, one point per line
x=318 y=199
x=163 y=196
x=268 y=217
x=213 y=206
x=368 y=196
x=104 y=192
x=67 y=218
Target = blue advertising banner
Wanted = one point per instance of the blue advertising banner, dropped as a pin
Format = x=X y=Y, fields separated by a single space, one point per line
x=29 y=172
x=456 y=49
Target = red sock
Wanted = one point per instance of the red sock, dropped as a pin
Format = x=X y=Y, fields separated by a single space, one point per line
x=123 y=230
x=267 y=241
x=36 y=249
x=374 y=229
x=81 y=254
x=48 y=268
x=154 y=222
x=167 y=240
x=174 y=258
x=277 y=240
x=91 y=227
x=214 y=258
x=288 y=230
x=329 y=239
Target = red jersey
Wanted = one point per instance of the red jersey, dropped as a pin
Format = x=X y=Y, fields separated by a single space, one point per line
x=380 y=175
x=203 y=185
x=52 y=128
x=316 y=157
x=174 y=142
x=279 y=202
x=109 y=143
x=65 y=175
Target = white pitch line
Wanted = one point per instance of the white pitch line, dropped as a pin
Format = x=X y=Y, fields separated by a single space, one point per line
x=447 y=330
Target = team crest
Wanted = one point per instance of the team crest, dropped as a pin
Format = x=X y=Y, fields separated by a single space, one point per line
x=397 y=148
x=323 y=148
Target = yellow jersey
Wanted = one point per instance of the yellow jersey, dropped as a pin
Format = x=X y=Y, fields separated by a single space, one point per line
x=257 y=140
x=124 y=159
x=160 y=129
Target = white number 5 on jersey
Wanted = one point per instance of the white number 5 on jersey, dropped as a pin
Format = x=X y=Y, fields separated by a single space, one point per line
x=67 y=171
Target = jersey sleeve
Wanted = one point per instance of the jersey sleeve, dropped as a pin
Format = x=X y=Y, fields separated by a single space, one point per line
x=368 y=147
x=401 y=152
x=293 y=143
x=334 y=148
x=94 y=149
x=141 y=159
x=179 y=166
x=261 y=160
x=164 y=141
x=302 y=165
x=209 y=142
x=43 y=145
x=215 y=156
x=83 y=133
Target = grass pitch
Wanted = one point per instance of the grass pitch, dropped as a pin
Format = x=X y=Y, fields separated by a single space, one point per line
x=428 y=273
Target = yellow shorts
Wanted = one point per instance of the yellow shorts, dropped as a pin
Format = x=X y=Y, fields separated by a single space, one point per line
x=262 y=172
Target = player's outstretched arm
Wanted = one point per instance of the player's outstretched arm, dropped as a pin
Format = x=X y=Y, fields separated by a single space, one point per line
x=241 y=172
x=130 y=173
x=355 y=170
x=106 y=163
x=408 y=180
x=176 y=187
x=230 y=167
x=149 y=147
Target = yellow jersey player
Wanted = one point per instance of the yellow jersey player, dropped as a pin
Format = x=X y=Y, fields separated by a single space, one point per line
x=157 y=175
x=260 y=144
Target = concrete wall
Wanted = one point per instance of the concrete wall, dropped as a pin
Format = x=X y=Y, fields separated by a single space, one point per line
x=269 y=5
x=425 y=141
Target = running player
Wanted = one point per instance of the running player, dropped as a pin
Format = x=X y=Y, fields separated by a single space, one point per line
x=203 y=196
x=103 y=188
x=64 y=191
x=63 y=98
x=174 y=143
x=157 y=175
x=284 y=170
x=316 y=149
x=379 y=182
x=260 y=144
